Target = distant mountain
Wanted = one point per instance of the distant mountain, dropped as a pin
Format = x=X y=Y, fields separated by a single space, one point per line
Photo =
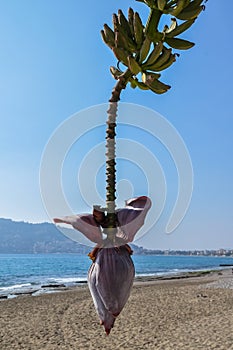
x=23 y=238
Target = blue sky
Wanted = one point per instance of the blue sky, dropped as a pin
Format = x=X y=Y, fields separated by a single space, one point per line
x=53 y=64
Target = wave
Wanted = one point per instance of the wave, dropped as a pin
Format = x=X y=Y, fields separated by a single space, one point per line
x=15 y=286
x=67 y=280
x=36 y=288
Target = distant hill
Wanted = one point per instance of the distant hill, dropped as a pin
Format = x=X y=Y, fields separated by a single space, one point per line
x=23 y=238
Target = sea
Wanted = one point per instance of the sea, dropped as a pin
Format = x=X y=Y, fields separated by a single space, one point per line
x=41 y=273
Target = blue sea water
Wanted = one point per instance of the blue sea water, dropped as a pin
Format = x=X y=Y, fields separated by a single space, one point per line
x=20 y=272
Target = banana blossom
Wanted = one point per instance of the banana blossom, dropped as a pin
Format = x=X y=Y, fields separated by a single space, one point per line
x=111 y=274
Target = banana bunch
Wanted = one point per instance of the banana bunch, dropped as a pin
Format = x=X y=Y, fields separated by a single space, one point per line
x=184 y=10
x=143 y=49
x=133 y=48
x=127 y=36
x=181 y=9
x=124 y=40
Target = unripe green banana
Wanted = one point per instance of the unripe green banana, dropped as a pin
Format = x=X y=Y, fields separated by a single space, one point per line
x=164 y=66
x=154 y=55
x=145 y=48
x=130 y=20
x=121 y=55
x=151 y=29
x=133 y=83
x=105 y=40
x=115 y=22
x=128 y=41
x=166 y=53
x=133 y=65
x=192 y=5
x=179 y=44
x=161 y=4
x=121 y=41
x=163 y=57
x=138 y=30
x=124 y=24
x=158 y=87
x=191 y=11
x=167 y=64
x=174 y=11
x=109 y=35
x=180 y=29
x=142 y=86
x=187 y=15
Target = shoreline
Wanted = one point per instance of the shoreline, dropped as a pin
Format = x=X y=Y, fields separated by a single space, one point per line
x=140 y=279
x=33 y=275
x=171 y=314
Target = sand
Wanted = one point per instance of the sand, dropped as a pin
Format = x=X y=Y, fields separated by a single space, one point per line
x=177 y=314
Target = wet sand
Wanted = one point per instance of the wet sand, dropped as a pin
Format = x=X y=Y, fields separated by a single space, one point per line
x=166 y=314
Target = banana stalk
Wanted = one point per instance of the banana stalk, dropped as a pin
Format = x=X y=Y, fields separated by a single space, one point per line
x=110 y=223
x=111 y=170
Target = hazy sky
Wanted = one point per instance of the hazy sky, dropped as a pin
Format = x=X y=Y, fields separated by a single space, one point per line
x=53 y=64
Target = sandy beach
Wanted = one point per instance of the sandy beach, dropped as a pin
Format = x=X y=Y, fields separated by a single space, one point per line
x=186 y=313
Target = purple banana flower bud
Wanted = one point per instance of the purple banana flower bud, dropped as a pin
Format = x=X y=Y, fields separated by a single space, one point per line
x=110 y=279
x=111 y=274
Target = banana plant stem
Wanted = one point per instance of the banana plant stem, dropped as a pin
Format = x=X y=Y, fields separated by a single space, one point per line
x=110 y=230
